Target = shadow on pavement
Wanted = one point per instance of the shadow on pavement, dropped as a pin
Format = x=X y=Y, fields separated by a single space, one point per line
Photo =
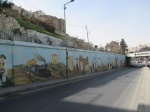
x=143 y=108
x=52 y=99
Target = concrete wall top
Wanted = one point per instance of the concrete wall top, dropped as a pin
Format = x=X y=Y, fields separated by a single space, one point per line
x=27 y=44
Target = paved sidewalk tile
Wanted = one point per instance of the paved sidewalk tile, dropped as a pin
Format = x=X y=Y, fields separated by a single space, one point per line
x=144 y=97
x=147 y=90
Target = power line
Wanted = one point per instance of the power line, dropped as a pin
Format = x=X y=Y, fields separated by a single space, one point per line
x=29 y=4
x=76 y=25
x=82 y=27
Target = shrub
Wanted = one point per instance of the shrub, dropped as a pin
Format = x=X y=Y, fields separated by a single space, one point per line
x=5 y=3
x=17 y=31
x=47 y=26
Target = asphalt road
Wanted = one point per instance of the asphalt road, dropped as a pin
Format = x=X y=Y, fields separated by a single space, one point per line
x=115 y=92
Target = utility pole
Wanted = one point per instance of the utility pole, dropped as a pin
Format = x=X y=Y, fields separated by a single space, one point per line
x=66 y=38
x=87 y=34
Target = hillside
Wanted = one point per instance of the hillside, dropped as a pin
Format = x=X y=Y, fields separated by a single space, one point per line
x=21 y=25
x=28 y=23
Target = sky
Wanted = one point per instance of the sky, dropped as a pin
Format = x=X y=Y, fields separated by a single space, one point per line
x=106 y=20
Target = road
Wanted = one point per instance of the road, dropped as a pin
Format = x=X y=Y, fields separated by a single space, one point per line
x=115 y=92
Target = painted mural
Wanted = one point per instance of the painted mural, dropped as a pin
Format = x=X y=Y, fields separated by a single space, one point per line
x=2 y=67
x=30 y=64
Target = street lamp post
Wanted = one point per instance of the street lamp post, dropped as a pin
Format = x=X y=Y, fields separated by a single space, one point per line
x=66 y=37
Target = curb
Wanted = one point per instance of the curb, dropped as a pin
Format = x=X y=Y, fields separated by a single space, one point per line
x=12 y=91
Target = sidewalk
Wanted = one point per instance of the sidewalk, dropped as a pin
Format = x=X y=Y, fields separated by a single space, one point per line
x=22 y=88
x=144 y=97
x=140 y=99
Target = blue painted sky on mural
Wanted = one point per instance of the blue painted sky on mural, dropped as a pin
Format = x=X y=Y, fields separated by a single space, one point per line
x=107 y=20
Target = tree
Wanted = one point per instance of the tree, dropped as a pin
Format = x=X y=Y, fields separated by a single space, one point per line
x=47 y=26
x=123 y=46
x=5 y=4
x=1 y=2
x=102 y=49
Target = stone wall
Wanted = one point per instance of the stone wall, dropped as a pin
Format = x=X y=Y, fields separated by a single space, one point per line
x=22 y=11
x=8 y=23
x=8 y=27
x=11 y=30
x=45 y=39
x=59 y=24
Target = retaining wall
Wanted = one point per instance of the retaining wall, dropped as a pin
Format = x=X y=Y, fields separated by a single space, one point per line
x=24 y=63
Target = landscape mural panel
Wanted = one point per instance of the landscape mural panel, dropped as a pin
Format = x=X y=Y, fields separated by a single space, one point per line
x=6 y=60
x=27 y=63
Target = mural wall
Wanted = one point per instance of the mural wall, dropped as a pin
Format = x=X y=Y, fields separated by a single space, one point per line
x=24 y=63
x=6 y=60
